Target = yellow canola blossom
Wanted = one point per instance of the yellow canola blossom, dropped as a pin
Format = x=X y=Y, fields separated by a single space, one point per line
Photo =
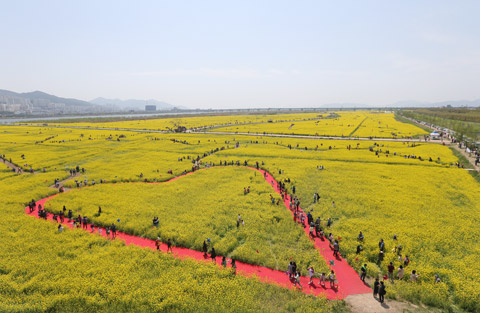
x=200 y=206
x=43 y=270
x=342 y=124
x=380 y=188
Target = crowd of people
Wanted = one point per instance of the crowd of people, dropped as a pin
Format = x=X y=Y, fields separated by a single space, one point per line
x=213 y=255
x=402 y=261
x=294 y=275
x=288 y=195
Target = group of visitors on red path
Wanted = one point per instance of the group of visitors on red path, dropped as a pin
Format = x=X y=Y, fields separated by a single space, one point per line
x=77 y=222
x=84 y=223
x=213 y=256
x=294 y=275
x=316 y=230
x=315 y=225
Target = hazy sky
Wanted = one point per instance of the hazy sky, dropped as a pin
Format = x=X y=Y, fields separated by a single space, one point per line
x=226 y=54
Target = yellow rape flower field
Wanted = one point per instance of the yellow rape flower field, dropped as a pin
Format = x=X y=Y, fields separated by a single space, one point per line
x=412 y=190
x=340 y=124
x=200 y=206
x=194 y=122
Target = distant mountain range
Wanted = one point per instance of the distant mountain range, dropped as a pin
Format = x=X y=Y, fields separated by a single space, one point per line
x=38 y=95
x=38 y=102
x=134 y=104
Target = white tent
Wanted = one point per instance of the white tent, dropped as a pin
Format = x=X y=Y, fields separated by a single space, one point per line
x=434 y=135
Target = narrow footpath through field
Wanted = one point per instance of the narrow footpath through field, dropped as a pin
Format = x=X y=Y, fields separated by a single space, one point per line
x=15 y=168
x=349 y=282
x=454 y=145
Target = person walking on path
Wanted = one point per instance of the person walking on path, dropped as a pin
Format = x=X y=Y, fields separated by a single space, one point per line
x=336 y=248
x=234 y=266
x=213 y=254
x=169 y=245
x=322 y=280
x=113 y=228
x=311 y=272
x=290 y=270
x=204 y=249
x=364 y=272
x=381 y=292
x=376 y=286
x=312 y=227
x=224 y=262
x=297 y=280
x=157 y=243
x=332 y=278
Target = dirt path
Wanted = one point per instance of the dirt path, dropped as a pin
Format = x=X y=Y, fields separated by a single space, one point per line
x=313 y=137
x=17 y=169
x=60 y=183
x=366 y=303
x=238 y=133
x=469 y=156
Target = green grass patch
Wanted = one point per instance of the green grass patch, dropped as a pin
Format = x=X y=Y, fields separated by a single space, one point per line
x=404 y=120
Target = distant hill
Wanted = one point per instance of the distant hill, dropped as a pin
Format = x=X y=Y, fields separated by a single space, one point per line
x=135 y=104
x=38 y=102
x=38 y=95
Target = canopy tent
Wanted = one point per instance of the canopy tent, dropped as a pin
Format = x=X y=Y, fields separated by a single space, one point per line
x=434 y=134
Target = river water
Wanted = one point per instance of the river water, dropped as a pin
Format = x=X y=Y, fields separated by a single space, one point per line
x=53 y=118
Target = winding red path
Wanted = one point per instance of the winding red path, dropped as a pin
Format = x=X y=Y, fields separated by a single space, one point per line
x=349 y=282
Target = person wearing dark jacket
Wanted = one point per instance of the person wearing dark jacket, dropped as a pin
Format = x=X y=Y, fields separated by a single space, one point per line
x=382 y=292
x=376 y=285
x=364 y=272
x=204 y=249
x=213 y=254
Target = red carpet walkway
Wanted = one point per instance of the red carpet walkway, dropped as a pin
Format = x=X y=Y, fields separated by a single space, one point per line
x=349 y=282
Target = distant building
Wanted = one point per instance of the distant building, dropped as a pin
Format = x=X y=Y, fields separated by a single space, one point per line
x=150 y=108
